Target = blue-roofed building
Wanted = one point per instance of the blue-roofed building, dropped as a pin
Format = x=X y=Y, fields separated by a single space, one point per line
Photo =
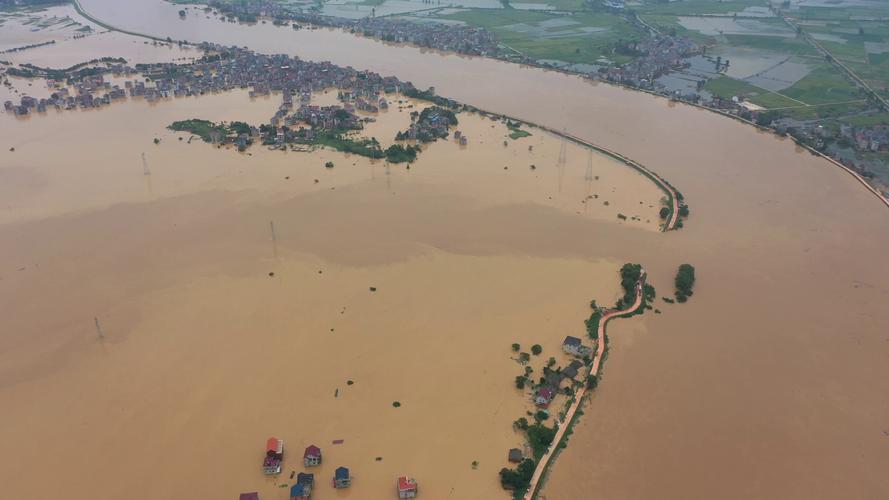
x=341 y=478
x=300 y=492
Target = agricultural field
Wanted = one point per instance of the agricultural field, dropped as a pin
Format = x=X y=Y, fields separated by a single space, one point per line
x=584 y=37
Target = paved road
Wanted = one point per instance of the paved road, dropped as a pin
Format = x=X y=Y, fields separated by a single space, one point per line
x=578 y=397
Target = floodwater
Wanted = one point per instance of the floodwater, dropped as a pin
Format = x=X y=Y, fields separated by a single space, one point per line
x=769 y=383
x=205 y=353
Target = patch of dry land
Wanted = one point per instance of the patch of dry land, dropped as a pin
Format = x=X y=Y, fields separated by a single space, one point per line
x=217 y=334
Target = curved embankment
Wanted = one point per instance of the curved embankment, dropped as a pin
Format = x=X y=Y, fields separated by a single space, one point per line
x=578 y=397
x=672 y=198
x=672 y=195
x=669 y=190
x=85 y=14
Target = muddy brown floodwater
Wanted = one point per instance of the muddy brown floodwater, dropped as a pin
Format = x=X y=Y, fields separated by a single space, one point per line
x=770 y=382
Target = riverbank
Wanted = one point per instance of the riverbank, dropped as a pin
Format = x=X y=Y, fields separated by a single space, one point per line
x=80 y=10
x=591 y=381
x=547 y=67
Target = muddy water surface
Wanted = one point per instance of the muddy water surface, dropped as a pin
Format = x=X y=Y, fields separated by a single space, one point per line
x=769 y=383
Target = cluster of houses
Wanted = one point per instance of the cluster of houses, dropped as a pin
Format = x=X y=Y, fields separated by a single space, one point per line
x=552 y=380
x=433 y=123
x=305 y=482
x=462 y=39
x=325 y=117
x=656 y=56
x=226 y=69
x=91 y=92
x=454 y=38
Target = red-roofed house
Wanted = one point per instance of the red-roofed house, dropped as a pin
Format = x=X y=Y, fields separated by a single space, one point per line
x=312 y=457
x=407 y=487
x=544 y=396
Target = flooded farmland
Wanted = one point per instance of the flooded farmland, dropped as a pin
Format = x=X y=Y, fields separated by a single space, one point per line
x=768 y=383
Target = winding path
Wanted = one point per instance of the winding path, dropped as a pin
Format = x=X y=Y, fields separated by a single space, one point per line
x=578 y=397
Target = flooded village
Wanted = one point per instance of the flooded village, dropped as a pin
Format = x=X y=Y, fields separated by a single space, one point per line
x=377 y=316
x=355 y=403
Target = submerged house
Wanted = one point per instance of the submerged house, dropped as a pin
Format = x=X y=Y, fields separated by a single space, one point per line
x=573 y=345
x=274 y=456
x=572 y=370
x=312 y=456
x=302 y=490
x=249 y=496
x=407 y=487
x=341 y=478
x=544 y=396
x=516 y=455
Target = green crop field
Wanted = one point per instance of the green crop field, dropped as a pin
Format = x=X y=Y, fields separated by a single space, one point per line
x=729 y=87
x=794 y=46
x=542 y=35
x=823 y=85
x=697 y=7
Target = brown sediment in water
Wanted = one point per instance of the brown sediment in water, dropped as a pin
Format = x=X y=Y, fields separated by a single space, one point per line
x=768 y=383
x=217 y=334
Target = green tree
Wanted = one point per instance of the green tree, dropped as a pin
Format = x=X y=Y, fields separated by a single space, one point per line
x=536 y=349
x=685 y=281
x=520 y=381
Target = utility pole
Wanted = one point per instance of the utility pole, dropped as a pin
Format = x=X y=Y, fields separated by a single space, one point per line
x=274 y=238
x=99 y=329
x=145 y=169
